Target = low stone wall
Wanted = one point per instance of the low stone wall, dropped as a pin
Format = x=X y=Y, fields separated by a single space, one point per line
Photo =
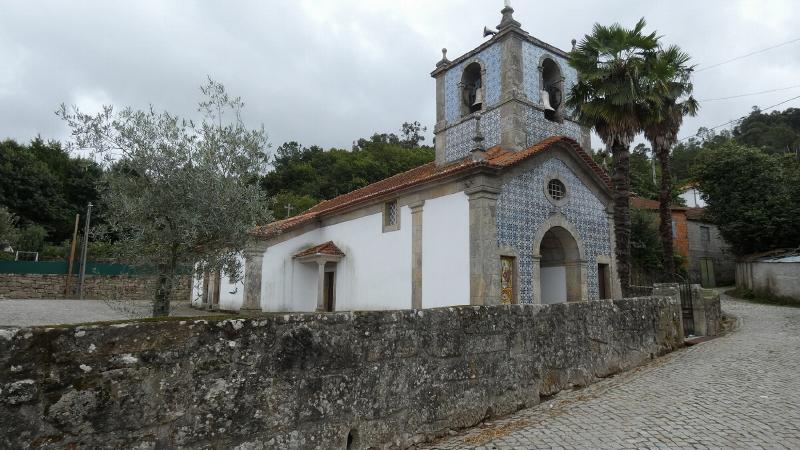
x=337 y=380
x=707 y=311
x=769 y=278
x=38 y=286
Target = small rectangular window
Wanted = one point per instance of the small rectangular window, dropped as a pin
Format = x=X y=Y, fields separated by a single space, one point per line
x=705 y=234
x=674 y=229
x=391 y=216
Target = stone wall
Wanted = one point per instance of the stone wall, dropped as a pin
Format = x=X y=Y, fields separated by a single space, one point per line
x=770 y=278
x=380 y=379
x=38 y=286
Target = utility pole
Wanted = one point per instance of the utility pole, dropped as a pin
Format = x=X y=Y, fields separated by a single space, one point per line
x=85 y=248
x=72 y=256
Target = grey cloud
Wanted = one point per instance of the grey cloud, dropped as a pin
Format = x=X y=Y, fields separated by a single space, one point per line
x=327 y=73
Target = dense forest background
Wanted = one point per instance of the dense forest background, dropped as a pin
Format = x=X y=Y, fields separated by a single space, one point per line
x=43 y=186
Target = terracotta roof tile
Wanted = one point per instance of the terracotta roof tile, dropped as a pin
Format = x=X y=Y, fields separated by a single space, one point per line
x=646 y=203
x=496 y=157
x=698 y=214
x=328 y=248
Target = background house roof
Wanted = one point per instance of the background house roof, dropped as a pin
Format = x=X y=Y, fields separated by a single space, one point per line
x=646 y=203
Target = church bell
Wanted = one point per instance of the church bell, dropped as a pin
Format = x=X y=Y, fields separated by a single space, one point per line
x=546 y=100
x=478 y=97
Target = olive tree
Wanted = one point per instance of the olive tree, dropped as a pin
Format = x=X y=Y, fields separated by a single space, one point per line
x=178 y=193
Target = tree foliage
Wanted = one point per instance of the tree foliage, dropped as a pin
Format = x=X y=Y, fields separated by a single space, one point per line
x=753 y=196
x=303 y=176
x=669 y=79
x=42 y=185
x=8 y=227
x=178 y=192
x=774 y=132
x=613 y=97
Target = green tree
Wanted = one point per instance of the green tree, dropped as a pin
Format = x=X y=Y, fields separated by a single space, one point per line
x=31 y=238
x=42 y=185
x=775 y=132
x=304 y=176
x=646 y=252
x=8 y=227
x=670 y=80
x=611 y=97
x=753 y=197
x=181 y=192
x=642 y=183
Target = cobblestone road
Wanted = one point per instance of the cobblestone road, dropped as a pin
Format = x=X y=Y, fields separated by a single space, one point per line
x=738 y=391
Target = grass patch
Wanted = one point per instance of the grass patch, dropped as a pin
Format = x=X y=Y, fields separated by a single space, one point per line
x=767 y=299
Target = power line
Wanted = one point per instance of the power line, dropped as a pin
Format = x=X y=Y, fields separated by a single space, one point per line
x=741 y=118
x=747 y=55
x=751 y=93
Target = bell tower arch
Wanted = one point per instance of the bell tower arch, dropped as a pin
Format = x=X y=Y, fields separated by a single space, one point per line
x=510 y=90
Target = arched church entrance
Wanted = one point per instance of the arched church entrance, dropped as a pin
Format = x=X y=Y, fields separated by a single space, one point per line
x=560 y=267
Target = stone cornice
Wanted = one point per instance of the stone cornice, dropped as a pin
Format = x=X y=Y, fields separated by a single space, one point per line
x=500 y=36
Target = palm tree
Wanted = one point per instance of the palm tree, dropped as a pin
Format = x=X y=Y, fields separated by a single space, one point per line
x=670 y=78
x=611 y=96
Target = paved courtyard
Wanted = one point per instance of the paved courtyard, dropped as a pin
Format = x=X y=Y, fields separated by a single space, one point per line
x=24 y=313
x=738 y=391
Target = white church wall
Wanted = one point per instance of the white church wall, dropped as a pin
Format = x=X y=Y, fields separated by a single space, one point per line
x=445 y=251
x=231 y=295
x=284 y=279
x=197 y=290
x=374 y=274
x=376 y=271
x=554 y=285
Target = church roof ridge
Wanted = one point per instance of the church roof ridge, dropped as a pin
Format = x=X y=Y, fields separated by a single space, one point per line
x=496 y=158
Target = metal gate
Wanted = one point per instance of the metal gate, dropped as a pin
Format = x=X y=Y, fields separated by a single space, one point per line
x=687 y=312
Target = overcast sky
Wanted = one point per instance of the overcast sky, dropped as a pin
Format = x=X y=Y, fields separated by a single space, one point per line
x=328 y=72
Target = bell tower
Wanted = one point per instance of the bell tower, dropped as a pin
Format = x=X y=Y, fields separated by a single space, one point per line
x=508 y=91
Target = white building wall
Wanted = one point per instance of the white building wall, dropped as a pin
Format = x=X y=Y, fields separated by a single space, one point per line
x=554 y=285
x=280 y=282
x=376 y=271
x=374 y=274
x=445 y=251
x=693 y=198
x=197 y=290
x=231 y=295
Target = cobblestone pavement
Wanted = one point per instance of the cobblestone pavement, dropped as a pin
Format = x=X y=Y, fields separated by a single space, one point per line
x=24 y=313
x=738 y=391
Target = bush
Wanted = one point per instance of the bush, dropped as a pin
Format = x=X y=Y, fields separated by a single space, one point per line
x=30 y=239
x=55 y=252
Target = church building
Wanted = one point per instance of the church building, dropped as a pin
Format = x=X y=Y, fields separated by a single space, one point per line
x=512 y=210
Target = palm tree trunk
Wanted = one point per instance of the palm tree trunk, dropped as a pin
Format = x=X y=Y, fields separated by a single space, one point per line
x=665 y=211
x=621 y=180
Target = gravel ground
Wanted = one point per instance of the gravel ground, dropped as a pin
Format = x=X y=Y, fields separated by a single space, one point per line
x=23 y=313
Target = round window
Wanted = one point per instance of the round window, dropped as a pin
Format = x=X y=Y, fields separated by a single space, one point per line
x=556 y=190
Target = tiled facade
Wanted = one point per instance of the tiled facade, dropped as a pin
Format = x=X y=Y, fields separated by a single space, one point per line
x=522 y=209
x=537 y=127
x=489 y=59
x=459 y=139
